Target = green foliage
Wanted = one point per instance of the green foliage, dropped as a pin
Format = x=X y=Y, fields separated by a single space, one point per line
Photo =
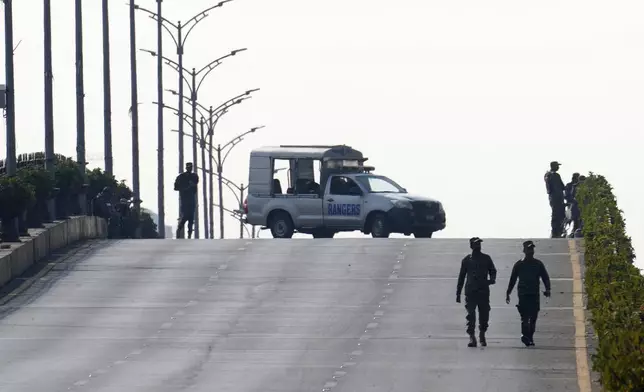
x=15 y=196
x=615 y=289
x=148 y=227
x=32 y=182
x=68 y=177
x=40 y=179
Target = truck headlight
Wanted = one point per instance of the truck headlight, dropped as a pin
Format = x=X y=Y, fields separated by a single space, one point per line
x=402 y=204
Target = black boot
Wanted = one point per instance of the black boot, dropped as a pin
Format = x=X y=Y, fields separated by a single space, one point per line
x=472 y=342
x=482 y=339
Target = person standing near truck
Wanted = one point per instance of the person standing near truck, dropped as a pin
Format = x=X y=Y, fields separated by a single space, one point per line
x=186 y=183
x=528 y=271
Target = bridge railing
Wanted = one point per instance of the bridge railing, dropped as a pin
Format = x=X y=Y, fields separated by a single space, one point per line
x=615 y=289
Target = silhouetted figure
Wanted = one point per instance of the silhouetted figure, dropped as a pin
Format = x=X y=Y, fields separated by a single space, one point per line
x=186 y=183
x=555 y=188
x=575 y=210
x=528 y=270
x=476 y=267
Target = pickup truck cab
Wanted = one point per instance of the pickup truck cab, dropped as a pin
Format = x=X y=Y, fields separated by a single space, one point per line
x=348 y=197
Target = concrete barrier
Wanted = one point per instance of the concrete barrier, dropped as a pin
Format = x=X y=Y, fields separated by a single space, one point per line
x=20 y=256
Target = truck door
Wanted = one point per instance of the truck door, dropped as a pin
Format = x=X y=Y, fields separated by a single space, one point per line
x=343 y=203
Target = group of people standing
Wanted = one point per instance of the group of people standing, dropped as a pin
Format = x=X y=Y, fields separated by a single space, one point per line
x=560 y=197
x=481 y=273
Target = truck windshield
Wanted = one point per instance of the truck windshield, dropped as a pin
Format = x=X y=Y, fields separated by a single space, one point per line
x=379 y=184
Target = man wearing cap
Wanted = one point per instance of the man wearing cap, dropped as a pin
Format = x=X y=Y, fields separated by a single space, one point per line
x=476 y=267
x=555 y=188
x=186 y=184
x=528 y=270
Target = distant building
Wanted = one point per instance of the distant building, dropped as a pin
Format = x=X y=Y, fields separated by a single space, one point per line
x=169 y=232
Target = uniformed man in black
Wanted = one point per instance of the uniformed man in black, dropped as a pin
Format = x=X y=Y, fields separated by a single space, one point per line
x=186 y=184
x=528 y=270
x=476 y=267
x=555 y=188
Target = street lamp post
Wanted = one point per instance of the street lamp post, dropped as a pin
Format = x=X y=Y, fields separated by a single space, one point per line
x=180 y=41
x=234 y=214
x=203 y=183
x=80 y=106
x=220 y=167
x=49 y=107
x=10 y=229
x=194 y=87
x=134 y=96
x=160 y=141
x=107 y=94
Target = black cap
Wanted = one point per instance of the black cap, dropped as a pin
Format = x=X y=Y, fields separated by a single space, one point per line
x=475 y=240
x=528 y=244
x=555 y=163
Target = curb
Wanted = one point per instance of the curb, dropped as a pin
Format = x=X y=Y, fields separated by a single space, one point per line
x=43 y=242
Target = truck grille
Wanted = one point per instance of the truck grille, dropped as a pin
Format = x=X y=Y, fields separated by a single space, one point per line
x=423 y=209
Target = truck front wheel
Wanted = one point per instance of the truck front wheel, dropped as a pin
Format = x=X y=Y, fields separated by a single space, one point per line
x=379 y=227
x=281 y=225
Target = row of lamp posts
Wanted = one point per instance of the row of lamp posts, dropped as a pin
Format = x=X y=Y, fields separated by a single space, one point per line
x=179 y=33
x=8 y=101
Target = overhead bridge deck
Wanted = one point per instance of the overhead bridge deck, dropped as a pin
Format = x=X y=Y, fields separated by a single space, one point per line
x=341 y=315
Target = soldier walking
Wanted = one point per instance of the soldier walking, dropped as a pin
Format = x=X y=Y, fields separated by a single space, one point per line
x=476 y=267
x=528 y=270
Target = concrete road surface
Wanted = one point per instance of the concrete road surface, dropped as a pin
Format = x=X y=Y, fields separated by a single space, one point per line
x=341 y=315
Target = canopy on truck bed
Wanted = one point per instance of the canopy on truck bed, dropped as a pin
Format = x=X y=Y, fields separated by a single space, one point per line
x=312 y=152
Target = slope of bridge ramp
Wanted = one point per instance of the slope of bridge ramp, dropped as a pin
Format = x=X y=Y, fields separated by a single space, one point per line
x=341 y=315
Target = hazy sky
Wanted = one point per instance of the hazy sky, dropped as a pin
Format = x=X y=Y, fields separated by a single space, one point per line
x=463 y=101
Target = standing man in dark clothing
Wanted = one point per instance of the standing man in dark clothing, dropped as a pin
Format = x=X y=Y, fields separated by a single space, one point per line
x=555 y=188
x=476 y=266
x=528 y=271
x=568 y=190
x=186 y=184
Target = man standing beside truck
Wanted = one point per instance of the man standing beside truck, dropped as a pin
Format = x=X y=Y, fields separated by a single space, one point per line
x=186 y=184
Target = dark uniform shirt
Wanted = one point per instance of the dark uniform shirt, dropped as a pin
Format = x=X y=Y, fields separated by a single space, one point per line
x=187 y=191
x=476 y=267
x=529 y=272
x=554 y=184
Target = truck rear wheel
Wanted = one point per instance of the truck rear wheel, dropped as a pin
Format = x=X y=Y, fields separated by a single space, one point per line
x=281 y=225
x=379 y=226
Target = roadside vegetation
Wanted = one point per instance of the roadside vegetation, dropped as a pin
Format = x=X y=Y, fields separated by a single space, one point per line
x=25 y=196
x=615 y=289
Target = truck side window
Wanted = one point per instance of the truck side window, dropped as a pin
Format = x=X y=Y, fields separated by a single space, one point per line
x=341 y=185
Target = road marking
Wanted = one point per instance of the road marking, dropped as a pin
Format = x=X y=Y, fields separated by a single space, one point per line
x=581 y=349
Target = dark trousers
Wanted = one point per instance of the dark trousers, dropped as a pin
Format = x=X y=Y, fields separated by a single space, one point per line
x=480 y=300
x=529 y=307
x=187 y=215
x=558 y=216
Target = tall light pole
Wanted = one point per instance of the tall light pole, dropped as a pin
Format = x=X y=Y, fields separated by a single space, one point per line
x=180 y=41
x=203 y=182
x=49 y=106
x=220 y=167
x=193 y=86
x=160 y=141
x=107 y=92
x=80 y=106
x=135 y=112
x=10 y=229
